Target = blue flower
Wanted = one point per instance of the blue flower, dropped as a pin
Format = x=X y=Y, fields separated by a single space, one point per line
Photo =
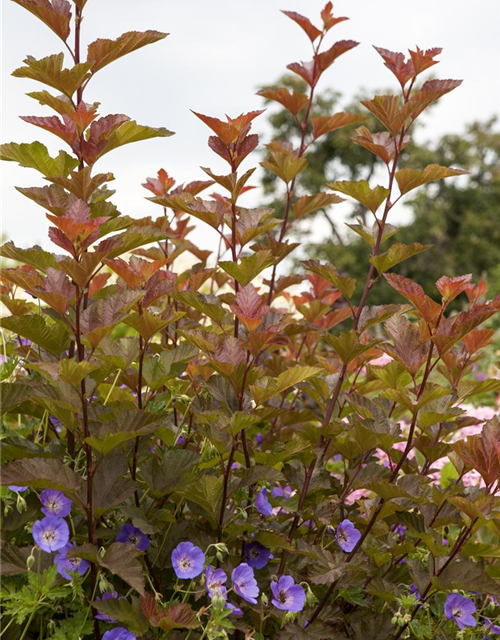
x=257 y=555
x=288 y=596
x=214 y=579
x=414 y=591
x=245 y=583
x=51 y=533
x=132 y=535
x=107 y=595
x=491 y=627
x=279 y=492
x=235 y=611
x=262 y=503
x=347 y=535
x=65 y=564
x=55 y=503
x=14 y=487
x=259 y=439
x=460 y=609
x=118 y=633
x=187 y=560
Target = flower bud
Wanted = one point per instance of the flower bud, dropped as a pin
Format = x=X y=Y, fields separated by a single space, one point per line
x=7 y=510
x=30 y=560
x=264 y=599
x=289 y=617
x=51 y=626
x=310 y=597
x=21 y=505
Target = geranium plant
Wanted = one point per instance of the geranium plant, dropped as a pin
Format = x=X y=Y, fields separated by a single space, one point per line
x=227 y=449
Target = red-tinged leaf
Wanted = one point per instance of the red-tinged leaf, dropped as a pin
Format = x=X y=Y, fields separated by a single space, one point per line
x=121 y=559
x=211 y=212
x=178 y=616
x=65 y=131
x=345 y=285
x=50 y=71
x=309 y=204
x=453 y=329
x=478 y=339
x=98 y=135
x=294 y=101
x=83 y=115
x=409 y=179
x=312 y=31
x=150 y=609
x=387 y=110
x=408 y=350
x=397 y=64
x=322 y=125
x=450 y=288
x=431 y=91
x=229 y=131
x=362 y=192
x=81 y=183
x=327 y=58
x=327 y=16
x=474 y=292
x=381 y=144
x=243 y=147
x=98 y=282
x=250 y=307
x=194 y=188
x=481 y=452
x=161 y=185
x=56 y=14
x=306 y=70
x=422 y=60
x=103 y=51
x=413 y=292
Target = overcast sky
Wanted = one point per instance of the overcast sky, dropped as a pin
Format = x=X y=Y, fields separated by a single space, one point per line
x=216 y=56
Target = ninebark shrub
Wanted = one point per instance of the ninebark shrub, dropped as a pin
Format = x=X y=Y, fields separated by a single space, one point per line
x=232 y=450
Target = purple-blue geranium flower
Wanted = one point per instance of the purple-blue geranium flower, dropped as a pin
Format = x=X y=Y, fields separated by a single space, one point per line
x=414 y=591
x=14 y=487
x=245 y=583
x=257 y=555
x=262 y=503
x=187 y=560
x=288 y=596
x=280 y=492
x=51 y=533
x=259 y=439
x=214 y=579
x=491 y=627
x=107 y=595
x=132 y=535
x=55 y=503
x=347 y=535
x=119 y=633
x=65 y=564
x=399 y=530
x=460 y=609
x=235 y=611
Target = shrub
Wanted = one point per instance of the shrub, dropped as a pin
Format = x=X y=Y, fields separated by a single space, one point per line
x=204 y=453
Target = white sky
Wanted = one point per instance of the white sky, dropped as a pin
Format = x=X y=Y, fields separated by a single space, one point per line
x=217 y=55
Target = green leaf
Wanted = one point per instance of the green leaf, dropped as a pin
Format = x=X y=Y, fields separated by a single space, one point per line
x=348 y=346
x=35 y=256
x=201 y=302
x=50 y=336
x=248 y=268
x=50 y=71
x=207 y=493
x=309 y=204
x=103 y=51
x=370 y=234
x=362 y=192
x=129 y=132
x=127 y=426
x=259 y=473
x=169 y=364
x=35 y=155
x=409 y=179
x=396 y=254
x=123 y=611
x=12 y=394
x=74 y=372
x=284 y=381
x=327 y=271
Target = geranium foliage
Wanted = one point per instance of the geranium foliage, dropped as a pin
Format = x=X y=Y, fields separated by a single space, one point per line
x=228 y=449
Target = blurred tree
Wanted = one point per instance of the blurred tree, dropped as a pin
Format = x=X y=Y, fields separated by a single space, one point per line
x=459 y=217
